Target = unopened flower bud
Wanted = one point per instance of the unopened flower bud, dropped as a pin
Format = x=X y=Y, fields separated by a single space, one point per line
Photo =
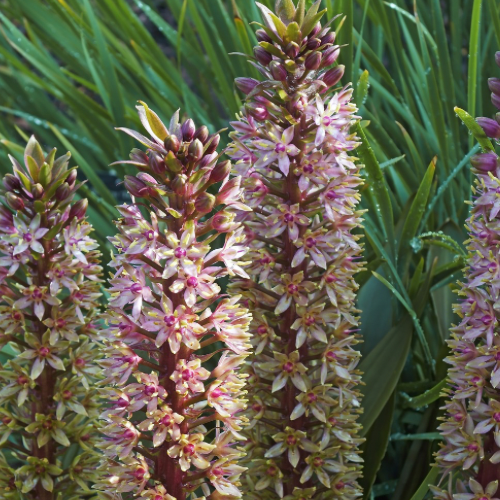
x=71 y=179
x=37 y=191
x=222 y=221
x=262 y=56
x=278 y=71
x=188 y=129
x=62 y=192
x=172 y=162
x=213 y=143
x=262 y=36
x=139 y=156
x=220 y=171
x=145 y=177
x=172 y=143
x=256 y=111
x=204 y=203
x=292 y=50
x=313 y=61
x=313 y=43
x=485 y=162
x=14 y=201
x=328 y=38
x=202 y=134
x=195 y=150
x=495 y=99
x=333 y=76
x=178 y=184
x=315 y=30
x=79 y=209
x=494 y=85
x=135 y=186
x=157 y=164
x=246 y=85
x=11 y=182
x=208 y=159
x=491 y=127
x=330 y=55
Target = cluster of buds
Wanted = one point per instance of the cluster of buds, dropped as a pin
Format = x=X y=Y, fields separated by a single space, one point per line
x=291 y=144
x=49 y=291
x=176 y=342
x=469 y=457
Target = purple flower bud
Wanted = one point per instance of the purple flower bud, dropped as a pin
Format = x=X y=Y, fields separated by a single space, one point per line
x=220 y=171
x=292 y=50
x=188 y=129
x=315 y=30
x=156 y=163
x=497 y=58
x=172 y=143
x=195 y=150
x=246 y=85
x=79 y=209
x=62 y=192
x=14 y=201
x=313 y=61
x=328 y=38
x=330 y=55
x=485 y=162
x=213 y=143
x=262 y=36
x=222 y=222
x=313 y=43
x=262 y=56
x=37 y=191
x=333 y=76
x=139 y=156
x=11 y=182
x=135 y=186
x=491 y=127
x=278 y=71
x=208 y=159
x=145 y=177
x=202 y=134
x=178 y=184
x=495 y=99
x=204 y=203
x=494 y=85
x=71 y=179
x=257 y=111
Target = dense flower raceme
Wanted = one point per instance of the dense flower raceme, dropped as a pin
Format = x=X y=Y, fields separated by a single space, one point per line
x=174 y=359
x=470 y=455
x=49 y=284
x=291 y=146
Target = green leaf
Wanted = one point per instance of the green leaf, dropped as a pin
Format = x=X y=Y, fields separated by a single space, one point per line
x=286 y=10
x=362 y=89
x=300 y=11
x=292 y=33
x=272 y=49
x=475 y=129
x=424 y=487
x=279 y=24
x=156 y=127
x=382 y=368
x=427 y=397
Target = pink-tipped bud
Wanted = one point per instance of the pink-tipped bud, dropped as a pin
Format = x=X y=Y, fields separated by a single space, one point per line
x=491 y=127
x=79 y=209
x=485 y=162
x=172 y=143
x=188 y=129
x=246 y=85
x=223 y=222
x=205 y=202
x=330 y=55
x=135 y=186
x=208 y=159
x=333 y=76
x=495 y=99
x=494 y=85
x=278 y=71
x=178 y=185
x=315 y=30
x=262 y=56
x=256 y=111
x=195 y=150
x=62 y=192
x=262 y=36
x=71 y=179
x=213 y=143
x=328 y=38
x=37 y=191
x=292 y=50
x=313 y=43
x=14 y=201
x=202 y=134
x=139 y=156
x=11 y=182
x=145 y=177
x=313 y=61
x=220 y=171
x=157 y=164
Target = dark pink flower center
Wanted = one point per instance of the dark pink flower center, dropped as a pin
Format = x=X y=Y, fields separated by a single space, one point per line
x=487 y=319
x=291 y=440
x=79 y=295
x=129 y=434
x=310 y=242
x=280 y=148
x=17 y=316
x=189 y=449
x=293 y=288
x=310 y=320
x=330 y=278
x=22 y=379
x=308 y=168
x=318 y=462
x=311 y=397
x=288 y=217
x=149 y=390
x=265 y=260
x=458 y=417
x=179 y=252
x=139 y=473
x=331 y=356
x=262 y=330
x=150 y=235
x=166 y=420
x=288 y=367
x=44 y=352
x=187 y=374
x=122 y=403
x=216 y=393
x=327 y=121
x=339 y=485
x=170 y=320
x=272 y=471
x=256 y=407
x=473 y=447
x=37 y=294
x=27 y=237
x=67 y=394
x=136 y=288
x=192 y=282
x=80 y=362
x=333 y=421
x=496 y=416
x=60 y=323
x=218 y=471
x=331 y=195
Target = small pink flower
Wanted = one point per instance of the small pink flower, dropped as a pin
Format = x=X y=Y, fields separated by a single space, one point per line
x=277 y=150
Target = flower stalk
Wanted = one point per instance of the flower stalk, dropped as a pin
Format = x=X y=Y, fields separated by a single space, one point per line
x=177 y=342
x=469 y=457
x=49 y=282
x=291 y=144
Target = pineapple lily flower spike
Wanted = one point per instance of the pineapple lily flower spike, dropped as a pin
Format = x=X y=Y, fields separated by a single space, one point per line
x=291 y=144
x=49 y=291
x=177 y=342
x=469 y=457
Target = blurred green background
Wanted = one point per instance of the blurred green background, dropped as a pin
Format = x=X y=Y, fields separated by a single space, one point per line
x=72 y=70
